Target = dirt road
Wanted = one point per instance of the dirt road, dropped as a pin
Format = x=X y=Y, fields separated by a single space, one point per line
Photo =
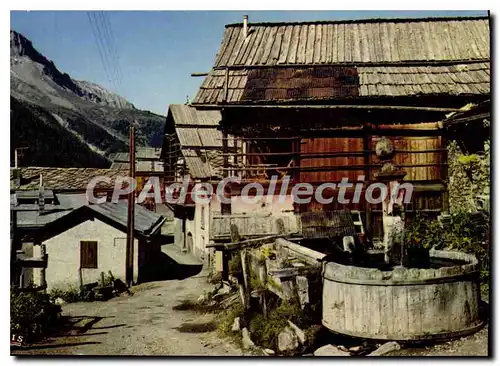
x=150 y=323
x=143 y=324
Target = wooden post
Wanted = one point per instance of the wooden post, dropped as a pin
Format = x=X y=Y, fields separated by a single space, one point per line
x=367 y=142
x=80 y=278
x=296 y=171
x=225 y=207
x=225 y=265
x=13 y=248
x=130 y=217
x=445 y=204
x=246 y=282
x=236 y=154
x=43 y=279
x=263 y=280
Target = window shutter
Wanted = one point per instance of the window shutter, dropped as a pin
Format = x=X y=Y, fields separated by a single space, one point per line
x=88 y=254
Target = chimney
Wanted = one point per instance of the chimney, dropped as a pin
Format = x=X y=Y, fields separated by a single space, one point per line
x=245 y=26
x=41 y=196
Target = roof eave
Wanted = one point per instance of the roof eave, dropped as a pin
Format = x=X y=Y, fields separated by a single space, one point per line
x=357 y=21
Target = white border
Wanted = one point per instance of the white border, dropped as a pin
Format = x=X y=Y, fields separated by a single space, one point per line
x=188 y=5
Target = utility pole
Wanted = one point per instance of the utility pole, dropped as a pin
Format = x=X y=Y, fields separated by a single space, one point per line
x=130 y=217
x=14 y=278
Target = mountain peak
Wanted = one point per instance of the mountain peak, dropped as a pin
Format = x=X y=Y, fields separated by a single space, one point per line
x=22 y=46
x=23 y=53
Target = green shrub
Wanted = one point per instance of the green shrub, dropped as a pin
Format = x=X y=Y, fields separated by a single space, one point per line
x=226 y=318
x=108 y=280
x=68 y=294
x=234 y=264
x=470 y=233
x=423 y=232
x=214 y=277
x=265 y=331
x=32 y=314
x=467 y=232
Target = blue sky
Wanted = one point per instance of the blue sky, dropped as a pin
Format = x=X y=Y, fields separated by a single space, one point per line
x=158 y=50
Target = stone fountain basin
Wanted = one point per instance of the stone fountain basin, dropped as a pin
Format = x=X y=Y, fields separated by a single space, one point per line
x=404 y=304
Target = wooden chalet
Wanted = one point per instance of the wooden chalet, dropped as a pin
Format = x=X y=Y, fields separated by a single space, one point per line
x=192 y=144
x=310 y=100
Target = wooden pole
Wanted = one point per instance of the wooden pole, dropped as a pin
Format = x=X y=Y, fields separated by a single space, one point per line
x=445 y=204
x=80 y=278
x=43 y=279
x=335 y=106
x=296 y=168
x=225 y=208
x=367 y=142
x=246 y=281
x=13 y=247
x=130 y=217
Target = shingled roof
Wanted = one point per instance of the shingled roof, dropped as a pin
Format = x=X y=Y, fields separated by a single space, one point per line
x=374 y=57
x=148 y=160
x=62 y=179
x=199 y=138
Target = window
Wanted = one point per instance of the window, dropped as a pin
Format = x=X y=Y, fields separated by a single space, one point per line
x=88 y=254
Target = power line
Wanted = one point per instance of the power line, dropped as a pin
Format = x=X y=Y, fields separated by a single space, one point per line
x=106 y=47
x=104 y=52
x=108 y=33
x=98 y=46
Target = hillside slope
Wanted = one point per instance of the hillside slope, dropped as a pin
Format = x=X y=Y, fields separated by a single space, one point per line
x=84 y=120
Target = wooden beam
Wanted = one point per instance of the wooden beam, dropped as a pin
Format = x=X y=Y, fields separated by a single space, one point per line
x=259 y=138
x=306 y=254
x=31 y=262
x=294 y=271
x=193 y=125
x=357 y=64
x=206 y=147
x=197 y=74
x=330 y=154
x=252 y=242
x=327 y=168
x=340 y=106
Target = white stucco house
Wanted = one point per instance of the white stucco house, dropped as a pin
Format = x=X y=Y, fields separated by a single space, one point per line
x=92 y=239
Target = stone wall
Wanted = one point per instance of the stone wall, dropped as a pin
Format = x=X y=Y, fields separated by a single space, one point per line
x=469 y=176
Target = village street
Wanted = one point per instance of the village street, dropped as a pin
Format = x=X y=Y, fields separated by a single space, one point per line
x=144 y=324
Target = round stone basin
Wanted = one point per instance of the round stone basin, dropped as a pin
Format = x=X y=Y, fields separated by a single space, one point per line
x=404 y=303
